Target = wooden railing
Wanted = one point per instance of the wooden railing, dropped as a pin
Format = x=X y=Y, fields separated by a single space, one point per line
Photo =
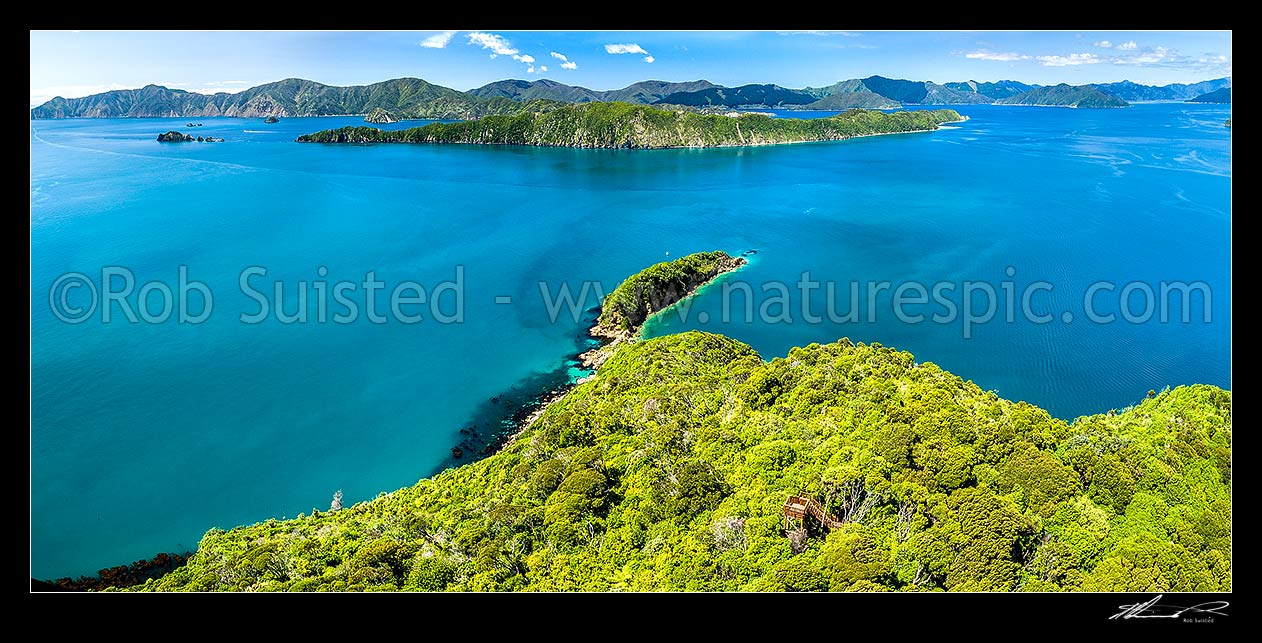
x=797 y=507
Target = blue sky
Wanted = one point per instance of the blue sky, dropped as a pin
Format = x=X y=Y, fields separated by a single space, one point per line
x=78 y=63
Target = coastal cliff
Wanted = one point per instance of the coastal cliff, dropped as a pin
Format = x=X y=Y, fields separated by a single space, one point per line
x=378 y=115
x=623 y=125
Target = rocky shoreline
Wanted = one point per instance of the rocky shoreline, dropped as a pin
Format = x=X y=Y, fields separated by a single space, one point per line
x=118 y=577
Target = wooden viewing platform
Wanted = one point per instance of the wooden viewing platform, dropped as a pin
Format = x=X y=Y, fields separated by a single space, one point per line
x=798 y=507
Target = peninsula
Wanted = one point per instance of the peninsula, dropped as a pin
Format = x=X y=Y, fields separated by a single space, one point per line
x=623 y=125
x=677 y=464
x=650 y=291
x=671 y=469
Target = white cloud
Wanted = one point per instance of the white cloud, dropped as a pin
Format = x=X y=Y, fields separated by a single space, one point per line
x=530 y=69
x=1103 y=44
x=526 y=58
x=543 y=68
x=498 y=44
x=1000 y=56
x=629 y=48
x=438 y=40
x=566 y=63
x=1068 y=61
x=1156 y=55
x=626 y=48
x=1128 y=45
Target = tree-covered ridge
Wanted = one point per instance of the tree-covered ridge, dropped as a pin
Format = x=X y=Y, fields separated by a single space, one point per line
x=668 y=470
x=623 y=125
x=659 y=286
x=1065 y=95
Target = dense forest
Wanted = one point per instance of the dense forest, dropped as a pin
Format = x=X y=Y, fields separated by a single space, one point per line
x=623 y=125
x=668 y=470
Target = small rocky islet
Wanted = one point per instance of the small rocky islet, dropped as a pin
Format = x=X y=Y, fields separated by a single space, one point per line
x=180 y=137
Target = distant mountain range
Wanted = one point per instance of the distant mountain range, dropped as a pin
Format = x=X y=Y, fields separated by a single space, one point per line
x=645 y=91
x=762 y=95
x=413 y=98
x=997 y=90
x=1134 y=92
x=1217 y=96
x=408 y=97
x=1063 y=95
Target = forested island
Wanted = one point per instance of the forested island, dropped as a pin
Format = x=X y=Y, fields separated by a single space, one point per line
x=624 y=125
x=675 y=466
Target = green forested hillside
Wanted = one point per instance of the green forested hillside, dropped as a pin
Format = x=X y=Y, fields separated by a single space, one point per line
x=622 y=125
x=668 y=470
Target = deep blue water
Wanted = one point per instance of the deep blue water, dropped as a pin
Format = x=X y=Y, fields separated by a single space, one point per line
x=145 y=435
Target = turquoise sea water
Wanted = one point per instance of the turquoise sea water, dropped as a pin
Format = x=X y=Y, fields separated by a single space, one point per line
x=145 y=435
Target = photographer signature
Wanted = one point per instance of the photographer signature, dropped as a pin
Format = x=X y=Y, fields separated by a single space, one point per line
x=1151 y=609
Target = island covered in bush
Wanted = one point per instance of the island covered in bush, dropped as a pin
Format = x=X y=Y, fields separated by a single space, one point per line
x=677 y=464
x=624 y=125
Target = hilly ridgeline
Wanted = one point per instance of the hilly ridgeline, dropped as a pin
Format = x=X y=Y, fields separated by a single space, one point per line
x=413 y=98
